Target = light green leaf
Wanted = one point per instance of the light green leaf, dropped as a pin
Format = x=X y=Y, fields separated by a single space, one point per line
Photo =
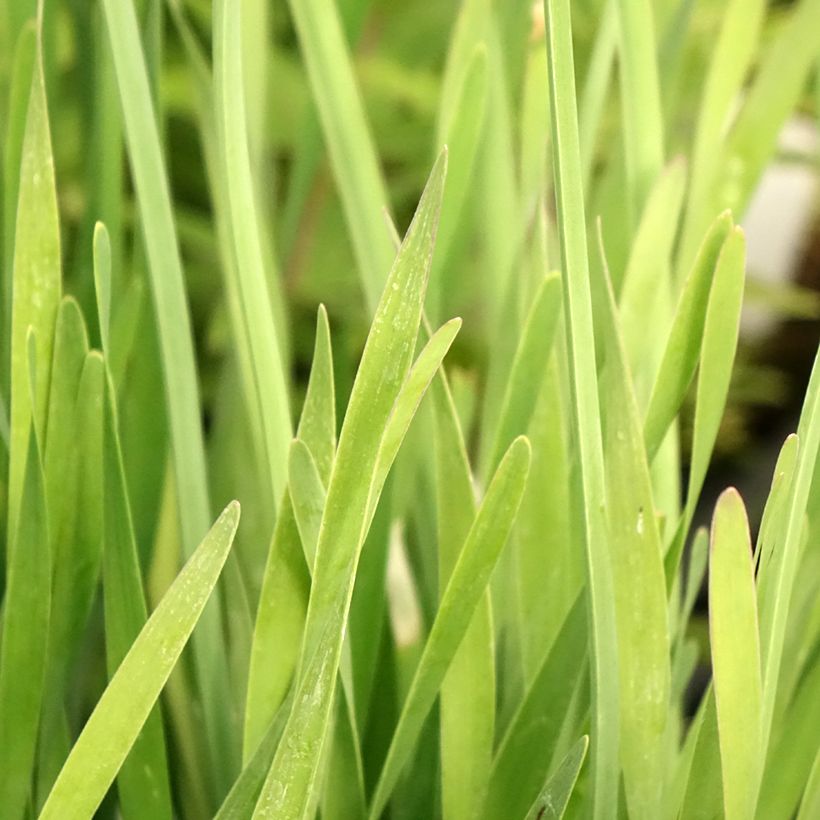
x=307 y=495
x=585 y=406
x=143 y=781
x=347 y=137
x=720 y=334
x=468 y=692
x=280 y=616
x=552 y=802
x=270 y=390
x=129 y=697
x=36 y=285
x=24 y=645
x=683 y=346
x=464 y=590
x=177 y=357
x=349 y=506
x=528 y=368
x=735 y=656
x=528 y=747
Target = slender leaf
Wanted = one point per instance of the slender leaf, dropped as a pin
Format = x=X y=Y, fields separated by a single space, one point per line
x=126 y=703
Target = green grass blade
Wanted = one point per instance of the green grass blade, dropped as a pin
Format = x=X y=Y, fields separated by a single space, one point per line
x=459 y=128
x=810 y=803
x=277 y=635
x=776 y=90
x=596 y=84
x=383 y=369
x=307 y=494
x=640 y=595
x=36 y=286
x=528 y=369
x=735 y=643
x=348 y=140
x=525 y=754
x=143 y=781
x=25 y=53
x=465 y=588
x=552 y=802
x=585 y=403
x=244 y=793
x=408 y=400
x=270 y=390
x=282 y=606
x=23 y=651
x=126 y=703
x=177 y=356
x=640 y=99
x=645 y=292
x=780 y=574
x=468 y=692
x=317 y=424
x=683 y=347
x=729 y=64
x=720 y=334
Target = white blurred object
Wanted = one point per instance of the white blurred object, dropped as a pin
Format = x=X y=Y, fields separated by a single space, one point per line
x=779 y=219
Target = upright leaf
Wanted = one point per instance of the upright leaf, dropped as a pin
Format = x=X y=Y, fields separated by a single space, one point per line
x=735 y=643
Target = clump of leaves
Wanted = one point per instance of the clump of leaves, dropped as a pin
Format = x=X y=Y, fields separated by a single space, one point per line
x=465 y=595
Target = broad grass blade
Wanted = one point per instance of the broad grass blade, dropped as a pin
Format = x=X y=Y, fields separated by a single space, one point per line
x=132 y=692
x=585 y=405
x=720 y=335
x=525 y=754
x=267 y=364
x=464 y=590
x=735 y=642
x=25 y=628
x=468 y=692
x=383 y=369
x=177 y=356
x=347 y=136
x=683 y=346
x=552 y=802
x=143 y=781
x=36 y=285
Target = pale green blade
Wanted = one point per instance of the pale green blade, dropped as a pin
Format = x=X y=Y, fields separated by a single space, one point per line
x=36 y=285
x=720 y=335
x=645 y=293
x=347 y=137
x=640 y=596
x=733 y=633
x=270 y=390
x=280 y=616
x=640 y=100
x=307 y=494
x=143 y=781
x=585 y=405
x=465 y=588
x=408 y=400
x=552 y=802
x=730 y=61
x=25 y=627
x=528 y=369
x=383 y=369
x=129 y=697
x=468 y=692
x=317 y=424
x=810 y=804
x=177 y=356
x=526 y=752
x=683 y=345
